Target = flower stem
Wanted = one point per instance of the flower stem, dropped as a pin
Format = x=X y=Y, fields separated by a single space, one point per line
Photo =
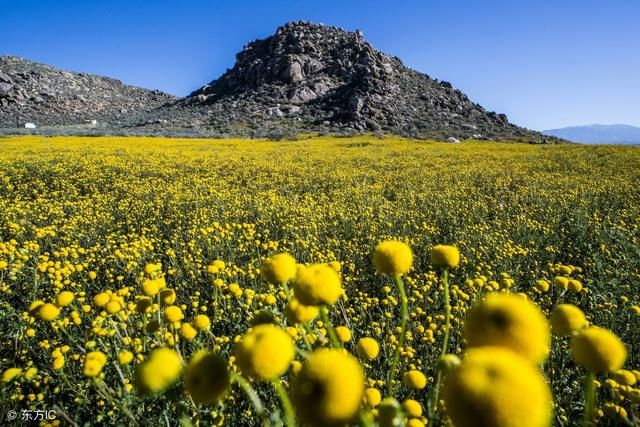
x=403 y=327
x=324 y=315
x=589 y=399
x=433 y=403
x=252 y=395
x=289 y=418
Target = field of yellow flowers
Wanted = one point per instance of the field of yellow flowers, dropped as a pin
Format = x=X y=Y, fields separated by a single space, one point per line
x=325 y=281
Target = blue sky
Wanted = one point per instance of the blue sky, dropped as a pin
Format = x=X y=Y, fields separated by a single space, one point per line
x=545 y=63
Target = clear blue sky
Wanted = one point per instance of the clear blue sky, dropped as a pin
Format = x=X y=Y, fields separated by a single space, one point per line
x=544 y=63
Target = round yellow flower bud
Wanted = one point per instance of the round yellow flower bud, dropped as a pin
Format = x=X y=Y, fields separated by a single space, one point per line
x=329 y=388
x=10 y=374
x=598 y=349
x=188 y=332
x=317 y=284
x=160 y=370
x=561 y=282
x=541 y=286
x=48 y=312
x=279 y=268
x=343 y=333
x=112 y=307
x=367 y=348
x=265 y=352
x=393 y=258
x=173 y=314
x=201 y=322
x=445 y=256
x=206 y=377
x=415 y=379
x=101 y=299
x=93 y=363
x=372 y=397
x=64 y=298
x=125 y=357
x=300 y=313
x=167 y=296
x=566 y=319
x=497 y=387
x=622 y=376
x=412 y=408
x=506 y=320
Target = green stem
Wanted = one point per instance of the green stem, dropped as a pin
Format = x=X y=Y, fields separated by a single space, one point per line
x=252 y=395
x=324 y=315
x=589 y=399
x=289 y=418
x=403 y=328
x=433 y=403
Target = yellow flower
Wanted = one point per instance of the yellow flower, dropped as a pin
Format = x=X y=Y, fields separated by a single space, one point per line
x=343 y=333
x=93 y=363
x=561 y=282
x=151 y=287
x=372 y=397
x=300 y=313
x=92 y=275
x=415 y=422
x=10 y=374
x=34 y=307
x=101 y=299
x=317 y=284
x=201 y=322
x=624 y=377
x=367 y=348
x=393 y=258
x=575 y=286
x=329 y=388
x=448 y=362
x=48 y=312
x=125 y=357
x=159 y=371
x=598 y=349
x=64 y=298
x=173 y=314
x=506 y=320
x=113 y=307
x=206 y=377
x=167 y=296
x=541 y=286
x=58 y=362
x=188 y=332
x=566 y=319
x=412 y=408
x=497 y=387
x=445 y=256
x=265 y=352
x=415 y=379
x=279 y=268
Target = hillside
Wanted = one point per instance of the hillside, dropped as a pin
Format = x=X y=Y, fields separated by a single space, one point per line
x=309 y=77
x=45 y=96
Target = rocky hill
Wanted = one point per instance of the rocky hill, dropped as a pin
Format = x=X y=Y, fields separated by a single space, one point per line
x=309 y=77
x=44 y=95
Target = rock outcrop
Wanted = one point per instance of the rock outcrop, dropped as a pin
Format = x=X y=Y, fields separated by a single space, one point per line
x=309 y=77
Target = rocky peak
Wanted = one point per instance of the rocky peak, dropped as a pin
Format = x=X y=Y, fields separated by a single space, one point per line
x=327 y=77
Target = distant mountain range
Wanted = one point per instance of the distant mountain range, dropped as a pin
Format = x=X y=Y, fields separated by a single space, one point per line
x=598 y=134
